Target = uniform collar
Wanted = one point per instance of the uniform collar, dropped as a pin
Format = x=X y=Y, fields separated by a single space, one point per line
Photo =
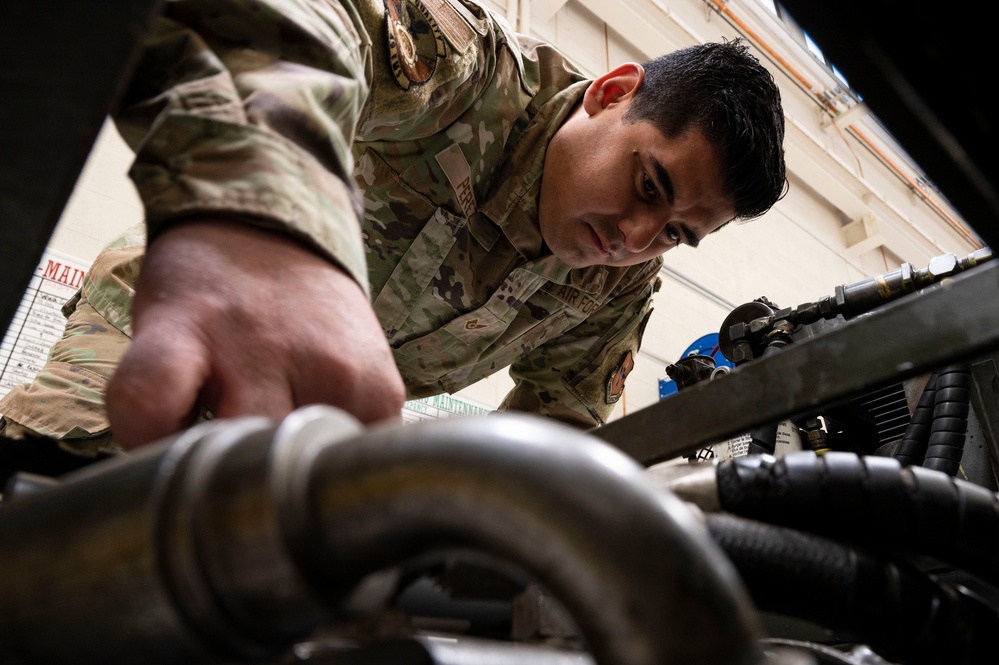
x=590 y=280
x=513 y=204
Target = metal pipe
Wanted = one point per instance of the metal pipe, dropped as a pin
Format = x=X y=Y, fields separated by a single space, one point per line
x=632 y=564
x=84 y=579
x=235 y=540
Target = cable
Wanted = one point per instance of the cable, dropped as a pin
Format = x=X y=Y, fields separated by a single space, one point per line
x=950 y=420
x=912 y=449
x=864 y=597
x=869 y=500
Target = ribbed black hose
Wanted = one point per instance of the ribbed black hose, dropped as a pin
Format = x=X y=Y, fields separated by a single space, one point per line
x=864 y=598
x=950 y=420
x=869 y=500
x=912 y=449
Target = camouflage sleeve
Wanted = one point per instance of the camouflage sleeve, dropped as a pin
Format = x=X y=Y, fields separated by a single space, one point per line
x=248 y=108
x=435 y=60
x=65 y=400
x=578 y=377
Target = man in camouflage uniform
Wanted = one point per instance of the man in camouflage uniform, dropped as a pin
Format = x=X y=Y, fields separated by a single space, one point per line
x=514 y=213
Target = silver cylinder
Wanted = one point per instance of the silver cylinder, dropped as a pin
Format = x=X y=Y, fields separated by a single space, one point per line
x=631 y=563
x=232 y=541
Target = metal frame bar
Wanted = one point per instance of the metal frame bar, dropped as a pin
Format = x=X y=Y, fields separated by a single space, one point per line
x=946 y=323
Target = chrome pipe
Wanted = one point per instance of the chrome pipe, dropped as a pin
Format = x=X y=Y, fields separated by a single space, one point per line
x=236 y=539
x=631 y=563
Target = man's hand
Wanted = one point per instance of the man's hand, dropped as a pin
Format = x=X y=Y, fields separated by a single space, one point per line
x=246 y=321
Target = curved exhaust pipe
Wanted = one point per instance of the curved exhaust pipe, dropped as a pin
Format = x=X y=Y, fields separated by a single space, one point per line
x=238 y=538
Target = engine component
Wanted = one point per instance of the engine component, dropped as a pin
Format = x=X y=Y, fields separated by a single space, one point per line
x=690 y=370
x=873 y=500
x=939 y=326
x=876 y=422
x=864 y=598
x=901 y=559
x=238 y=538
x=754 y=329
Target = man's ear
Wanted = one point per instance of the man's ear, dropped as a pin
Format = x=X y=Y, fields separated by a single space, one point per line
x=617 y=85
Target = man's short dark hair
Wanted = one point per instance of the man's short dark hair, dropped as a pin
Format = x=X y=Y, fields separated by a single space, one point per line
x=724 y=91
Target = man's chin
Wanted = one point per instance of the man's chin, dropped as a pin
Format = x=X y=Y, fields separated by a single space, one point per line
x=575 y=262
x=576 y=258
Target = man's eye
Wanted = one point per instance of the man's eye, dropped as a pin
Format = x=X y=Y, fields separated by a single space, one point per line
x=672 y=234
x=649 y=188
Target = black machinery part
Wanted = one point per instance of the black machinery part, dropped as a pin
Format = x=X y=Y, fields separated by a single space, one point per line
x=862 y=596
x=948 y=431
x=869 y=500
x=910 y=62
x=63 y=67
x=912 y=448
x=943 y=325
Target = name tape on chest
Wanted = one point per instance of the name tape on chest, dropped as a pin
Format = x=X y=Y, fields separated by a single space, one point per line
x=455 y=20
x=459 y=174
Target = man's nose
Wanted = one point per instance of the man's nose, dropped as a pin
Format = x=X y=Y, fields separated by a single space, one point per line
x=639 y=230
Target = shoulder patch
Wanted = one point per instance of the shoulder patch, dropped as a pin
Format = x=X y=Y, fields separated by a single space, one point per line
x=615 y=384
x=414 y=42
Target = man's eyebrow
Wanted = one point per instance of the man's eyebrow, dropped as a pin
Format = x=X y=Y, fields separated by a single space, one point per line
x=692 y=239
x=662 y=176
x=666 y=183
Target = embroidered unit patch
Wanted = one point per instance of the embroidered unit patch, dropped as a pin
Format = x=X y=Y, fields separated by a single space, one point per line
x=414 y=42
x=615 y=385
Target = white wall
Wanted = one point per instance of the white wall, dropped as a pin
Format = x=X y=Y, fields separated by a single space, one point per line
x=103 y=204
x=796 y=253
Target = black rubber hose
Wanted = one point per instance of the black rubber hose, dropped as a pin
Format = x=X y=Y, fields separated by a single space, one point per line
x=912 y=449
x=950 y=420
x=869 y=500
x=863 y=597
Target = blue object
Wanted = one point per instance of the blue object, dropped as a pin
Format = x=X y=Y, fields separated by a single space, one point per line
x=704 y=346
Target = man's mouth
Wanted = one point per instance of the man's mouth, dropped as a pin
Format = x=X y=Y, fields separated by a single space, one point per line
x=599 y=243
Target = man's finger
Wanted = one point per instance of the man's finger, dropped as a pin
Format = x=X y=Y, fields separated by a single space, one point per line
x=237 y=396
x=154 y=391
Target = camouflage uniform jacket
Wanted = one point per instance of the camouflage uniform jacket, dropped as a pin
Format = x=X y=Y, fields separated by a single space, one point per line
x=259 y=110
